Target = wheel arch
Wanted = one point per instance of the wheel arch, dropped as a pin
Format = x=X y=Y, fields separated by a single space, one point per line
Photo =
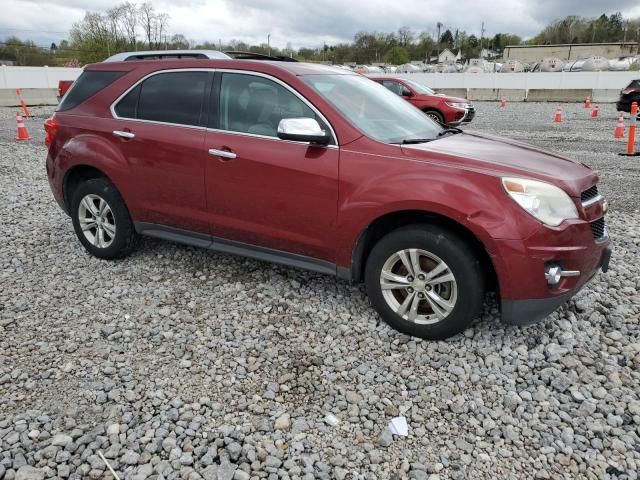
x=394 y=220
x=75 y=176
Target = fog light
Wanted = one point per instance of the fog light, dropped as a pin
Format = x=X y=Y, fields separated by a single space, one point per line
x=554 y=273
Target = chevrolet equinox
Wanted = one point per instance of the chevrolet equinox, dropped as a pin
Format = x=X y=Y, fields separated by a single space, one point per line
x=320 y=168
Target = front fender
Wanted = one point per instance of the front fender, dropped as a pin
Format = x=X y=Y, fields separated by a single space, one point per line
x=472 y=199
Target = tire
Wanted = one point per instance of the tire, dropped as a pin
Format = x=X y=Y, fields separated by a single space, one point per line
x=433 y=247
x=435 y=115
x=118 y=234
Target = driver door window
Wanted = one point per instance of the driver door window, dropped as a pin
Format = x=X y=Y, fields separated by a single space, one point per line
x=255 y=105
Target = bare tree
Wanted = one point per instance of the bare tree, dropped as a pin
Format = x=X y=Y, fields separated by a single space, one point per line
x=130 y=22
x=148 y=21
x=405 y=36
x=160 y=26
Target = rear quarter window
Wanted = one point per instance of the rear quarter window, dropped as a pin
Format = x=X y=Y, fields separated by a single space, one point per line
x=87 y=85
x=634 y=84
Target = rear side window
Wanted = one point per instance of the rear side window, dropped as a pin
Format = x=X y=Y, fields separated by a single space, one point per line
x=87 y=85
x=175 y=97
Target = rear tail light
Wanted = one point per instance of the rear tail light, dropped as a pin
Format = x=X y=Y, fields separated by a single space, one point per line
x=50 y=127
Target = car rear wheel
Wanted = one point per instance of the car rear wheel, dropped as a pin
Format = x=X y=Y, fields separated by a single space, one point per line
x=435 y=115
x=425 y=281
x=101 y=219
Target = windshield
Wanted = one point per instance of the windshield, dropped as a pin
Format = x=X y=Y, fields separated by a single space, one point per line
x=421 y=89
x=374 y=110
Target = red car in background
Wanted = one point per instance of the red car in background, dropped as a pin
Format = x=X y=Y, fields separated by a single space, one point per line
x=63 y=86
x=441 y=108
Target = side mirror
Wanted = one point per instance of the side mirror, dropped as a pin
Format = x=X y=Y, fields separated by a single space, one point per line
x=303 y=130
x=407 y=93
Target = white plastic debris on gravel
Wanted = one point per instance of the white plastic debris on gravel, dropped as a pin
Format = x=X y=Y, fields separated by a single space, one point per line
x=183 y=363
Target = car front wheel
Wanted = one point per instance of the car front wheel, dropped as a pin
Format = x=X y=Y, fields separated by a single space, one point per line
x=435 y=115
x=425 y=281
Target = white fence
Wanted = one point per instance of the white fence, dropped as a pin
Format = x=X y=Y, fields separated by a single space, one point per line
x=35 y=77
x=48 y=77
x=524 y=81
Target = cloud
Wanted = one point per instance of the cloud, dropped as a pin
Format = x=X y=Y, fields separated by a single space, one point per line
x=310 y=22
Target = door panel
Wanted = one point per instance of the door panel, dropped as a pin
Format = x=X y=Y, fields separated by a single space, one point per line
x=274 y=193
x=166 y=115
x=169 y=164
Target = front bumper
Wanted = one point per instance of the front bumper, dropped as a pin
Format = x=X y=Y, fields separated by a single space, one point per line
x=460 y=116
x=471 y=112
x=525 y=312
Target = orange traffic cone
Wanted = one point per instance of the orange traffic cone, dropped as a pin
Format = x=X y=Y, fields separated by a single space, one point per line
x=25 y=110
x=619 y=131
x=503 y=102
x=587 y=103
x=22 y=130
x=558 y=117
x=594 y=112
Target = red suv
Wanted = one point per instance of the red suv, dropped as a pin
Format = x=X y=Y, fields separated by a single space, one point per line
x=319 y=168
x=443 y=109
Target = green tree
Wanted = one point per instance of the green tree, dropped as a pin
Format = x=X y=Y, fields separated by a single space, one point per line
x=397 y=56
x=447 y=39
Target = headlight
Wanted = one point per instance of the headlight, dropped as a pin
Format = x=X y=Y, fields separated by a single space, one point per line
x=548 y=203
x=457 y=104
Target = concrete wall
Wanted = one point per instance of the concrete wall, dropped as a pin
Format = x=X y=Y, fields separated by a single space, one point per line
x=35 y=77
x=534 y=53
x=538 y=86
x=31 y=96
x=566 y=95
x=39 y=84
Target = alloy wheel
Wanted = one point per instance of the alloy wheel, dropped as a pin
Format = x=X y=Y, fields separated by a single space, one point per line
x=418 y=286
x=97 y=221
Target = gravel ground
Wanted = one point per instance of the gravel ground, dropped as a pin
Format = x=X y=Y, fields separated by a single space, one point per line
x=183 y=363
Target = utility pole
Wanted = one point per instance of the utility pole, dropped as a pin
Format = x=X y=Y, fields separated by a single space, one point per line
x=481 y=35
x=220 y=44
x=269 y=43
x=440 y=25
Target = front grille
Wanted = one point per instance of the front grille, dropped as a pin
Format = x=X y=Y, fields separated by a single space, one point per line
x=599 y=229
x=589 y=193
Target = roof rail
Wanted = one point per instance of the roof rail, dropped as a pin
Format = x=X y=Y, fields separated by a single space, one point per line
x=259 y=56
x=166 y=55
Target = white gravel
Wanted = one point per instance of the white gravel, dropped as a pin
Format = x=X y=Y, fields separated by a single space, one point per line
x=183 y=363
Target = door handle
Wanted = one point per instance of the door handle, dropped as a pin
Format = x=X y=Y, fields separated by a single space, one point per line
x=222 y=153
x=125 y=135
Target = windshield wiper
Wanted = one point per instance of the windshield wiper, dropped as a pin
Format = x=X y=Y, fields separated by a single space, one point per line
x=449 y=130
x=409 y=141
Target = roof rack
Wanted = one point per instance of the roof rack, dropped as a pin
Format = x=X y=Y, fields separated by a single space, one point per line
x=259 y=56
x=166 y=55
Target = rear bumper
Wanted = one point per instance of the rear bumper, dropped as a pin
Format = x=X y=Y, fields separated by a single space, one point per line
x=528 y=311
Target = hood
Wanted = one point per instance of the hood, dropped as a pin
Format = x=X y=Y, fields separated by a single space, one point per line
x=503 y=157
x=447 y=98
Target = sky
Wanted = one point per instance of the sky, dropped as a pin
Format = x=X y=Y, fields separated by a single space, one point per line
x=309 y=23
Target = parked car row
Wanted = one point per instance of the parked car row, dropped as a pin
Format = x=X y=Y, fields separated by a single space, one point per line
x=480 y=65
